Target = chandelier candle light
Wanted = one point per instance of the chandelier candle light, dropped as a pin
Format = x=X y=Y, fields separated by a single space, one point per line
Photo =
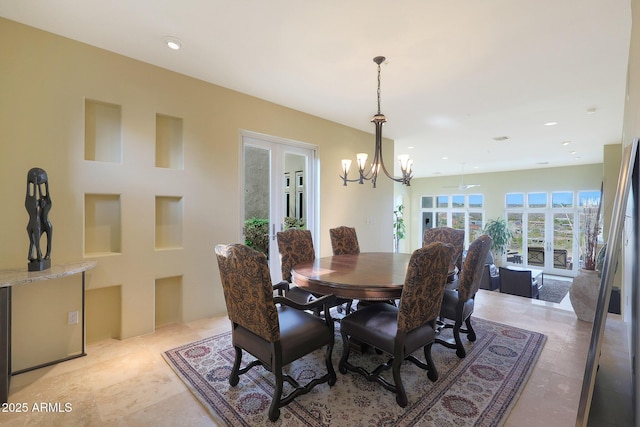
x=406 y=164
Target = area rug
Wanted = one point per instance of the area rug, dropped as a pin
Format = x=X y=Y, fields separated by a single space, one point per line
x=479 y=390
x=554 y=290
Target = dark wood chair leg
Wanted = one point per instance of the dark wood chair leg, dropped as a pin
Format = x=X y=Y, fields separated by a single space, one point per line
x=327 y=359
x=274 y=409
x=432 y=372
x=234 y=378
x=346 y=348
x=401 y=394
x=460 y=351
x=471 y=334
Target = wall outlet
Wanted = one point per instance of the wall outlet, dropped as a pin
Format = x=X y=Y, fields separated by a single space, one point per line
x=73 y=317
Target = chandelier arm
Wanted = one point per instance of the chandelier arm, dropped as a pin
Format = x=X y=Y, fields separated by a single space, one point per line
x=405 y=178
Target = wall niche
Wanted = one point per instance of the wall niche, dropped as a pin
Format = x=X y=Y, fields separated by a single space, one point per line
x=102 y=224
x=169 y=150
x=168 y=301
x=169 y=219
x=102 y=131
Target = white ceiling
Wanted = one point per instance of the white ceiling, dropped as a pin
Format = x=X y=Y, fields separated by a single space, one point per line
x=459 y=73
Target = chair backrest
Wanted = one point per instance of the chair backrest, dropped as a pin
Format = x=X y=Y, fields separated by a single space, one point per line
x=248 y=291
x=344 y=241
x=449 y=235
x=474 y=263
x=516 y=282
x=295 y=247
x=424 y=284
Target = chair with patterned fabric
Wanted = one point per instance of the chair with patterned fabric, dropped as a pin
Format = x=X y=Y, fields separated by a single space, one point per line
x=275 y=330
x=449 y=235
x=295 y=246
x=344 y=240
x=400 y=331
x=457 y=304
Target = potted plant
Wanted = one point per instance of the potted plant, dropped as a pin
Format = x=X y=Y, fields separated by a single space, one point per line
x=501 y=235
x=585 y=288
x=399 y=229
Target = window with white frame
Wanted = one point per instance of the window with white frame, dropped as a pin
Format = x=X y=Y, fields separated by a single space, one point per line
x=459 y=211
x=545 y=228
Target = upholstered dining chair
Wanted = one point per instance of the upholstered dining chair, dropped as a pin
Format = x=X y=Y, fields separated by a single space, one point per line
x=449 y=235
x=344 y=241
x=274 y=329
x=457 y=304
x=400 y=331
x=295 y=246
x=518 y=282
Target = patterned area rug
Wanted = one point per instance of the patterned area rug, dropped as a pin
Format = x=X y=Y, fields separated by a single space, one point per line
x=478 y=390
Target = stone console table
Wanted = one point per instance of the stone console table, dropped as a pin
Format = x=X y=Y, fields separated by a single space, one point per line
x=11 y=278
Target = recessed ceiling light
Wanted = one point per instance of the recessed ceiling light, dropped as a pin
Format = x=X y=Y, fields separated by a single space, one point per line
x=444 y=158
x=500 y=138
x=565 y=143
x=173 y=43
x=551 y=123
x=592 y=110
x=411 y=147
x=543 y=163
x=572 y=152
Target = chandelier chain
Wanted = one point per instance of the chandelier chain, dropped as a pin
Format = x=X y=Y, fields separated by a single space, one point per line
x=379 y=89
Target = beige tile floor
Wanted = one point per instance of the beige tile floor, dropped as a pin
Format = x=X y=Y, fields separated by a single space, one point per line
x=127 y=383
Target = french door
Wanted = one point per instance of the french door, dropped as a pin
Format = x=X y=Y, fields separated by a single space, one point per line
x=279 y=191
x=544 y=239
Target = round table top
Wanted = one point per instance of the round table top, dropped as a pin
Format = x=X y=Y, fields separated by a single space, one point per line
x=368 y=275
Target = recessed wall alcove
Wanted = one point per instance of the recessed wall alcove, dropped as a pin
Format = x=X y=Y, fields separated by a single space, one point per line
x=168 y=300
x=102 y=132
x=102 y=224
x=169 y=150
x=169 y=220
x=104 y=313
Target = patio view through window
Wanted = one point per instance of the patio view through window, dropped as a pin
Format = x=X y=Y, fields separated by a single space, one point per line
x=459 y=211
x=546 y=228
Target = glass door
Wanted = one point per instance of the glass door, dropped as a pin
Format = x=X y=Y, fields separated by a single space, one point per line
x=278 y=191
x=547 y=241
x=536 y=239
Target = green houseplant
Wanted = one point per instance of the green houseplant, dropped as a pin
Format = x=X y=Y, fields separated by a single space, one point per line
x=256 y=234
x=501 y=236
x=399 y=229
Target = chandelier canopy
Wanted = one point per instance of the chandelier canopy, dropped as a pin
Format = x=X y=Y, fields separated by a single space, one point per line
x=371 y=174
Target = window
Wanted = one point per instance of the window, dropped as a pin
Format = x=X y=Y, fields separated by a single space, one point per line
x=537 y=200
x=562 y=199
x=546 y=228
x=588 y=198
x=515 y=200
x=459 y=211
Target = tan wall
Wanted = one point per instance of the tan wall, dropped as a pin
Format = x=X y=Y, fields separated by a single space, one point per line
x=45 y=81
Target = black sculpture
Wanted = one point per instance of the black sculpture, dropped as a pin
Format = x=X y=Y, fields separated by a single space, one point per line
x=38 y=204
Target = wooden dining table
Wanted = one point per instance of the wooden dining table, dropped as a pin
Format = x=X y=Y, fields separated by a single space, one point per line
x=373 y=276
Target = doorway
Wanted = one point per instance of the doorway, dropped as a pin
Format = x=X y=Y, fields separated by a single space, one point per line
x=279 y=192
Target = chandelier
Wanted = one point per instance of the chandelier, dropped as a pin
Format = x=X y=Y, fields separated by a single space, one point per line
x=371 y=174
